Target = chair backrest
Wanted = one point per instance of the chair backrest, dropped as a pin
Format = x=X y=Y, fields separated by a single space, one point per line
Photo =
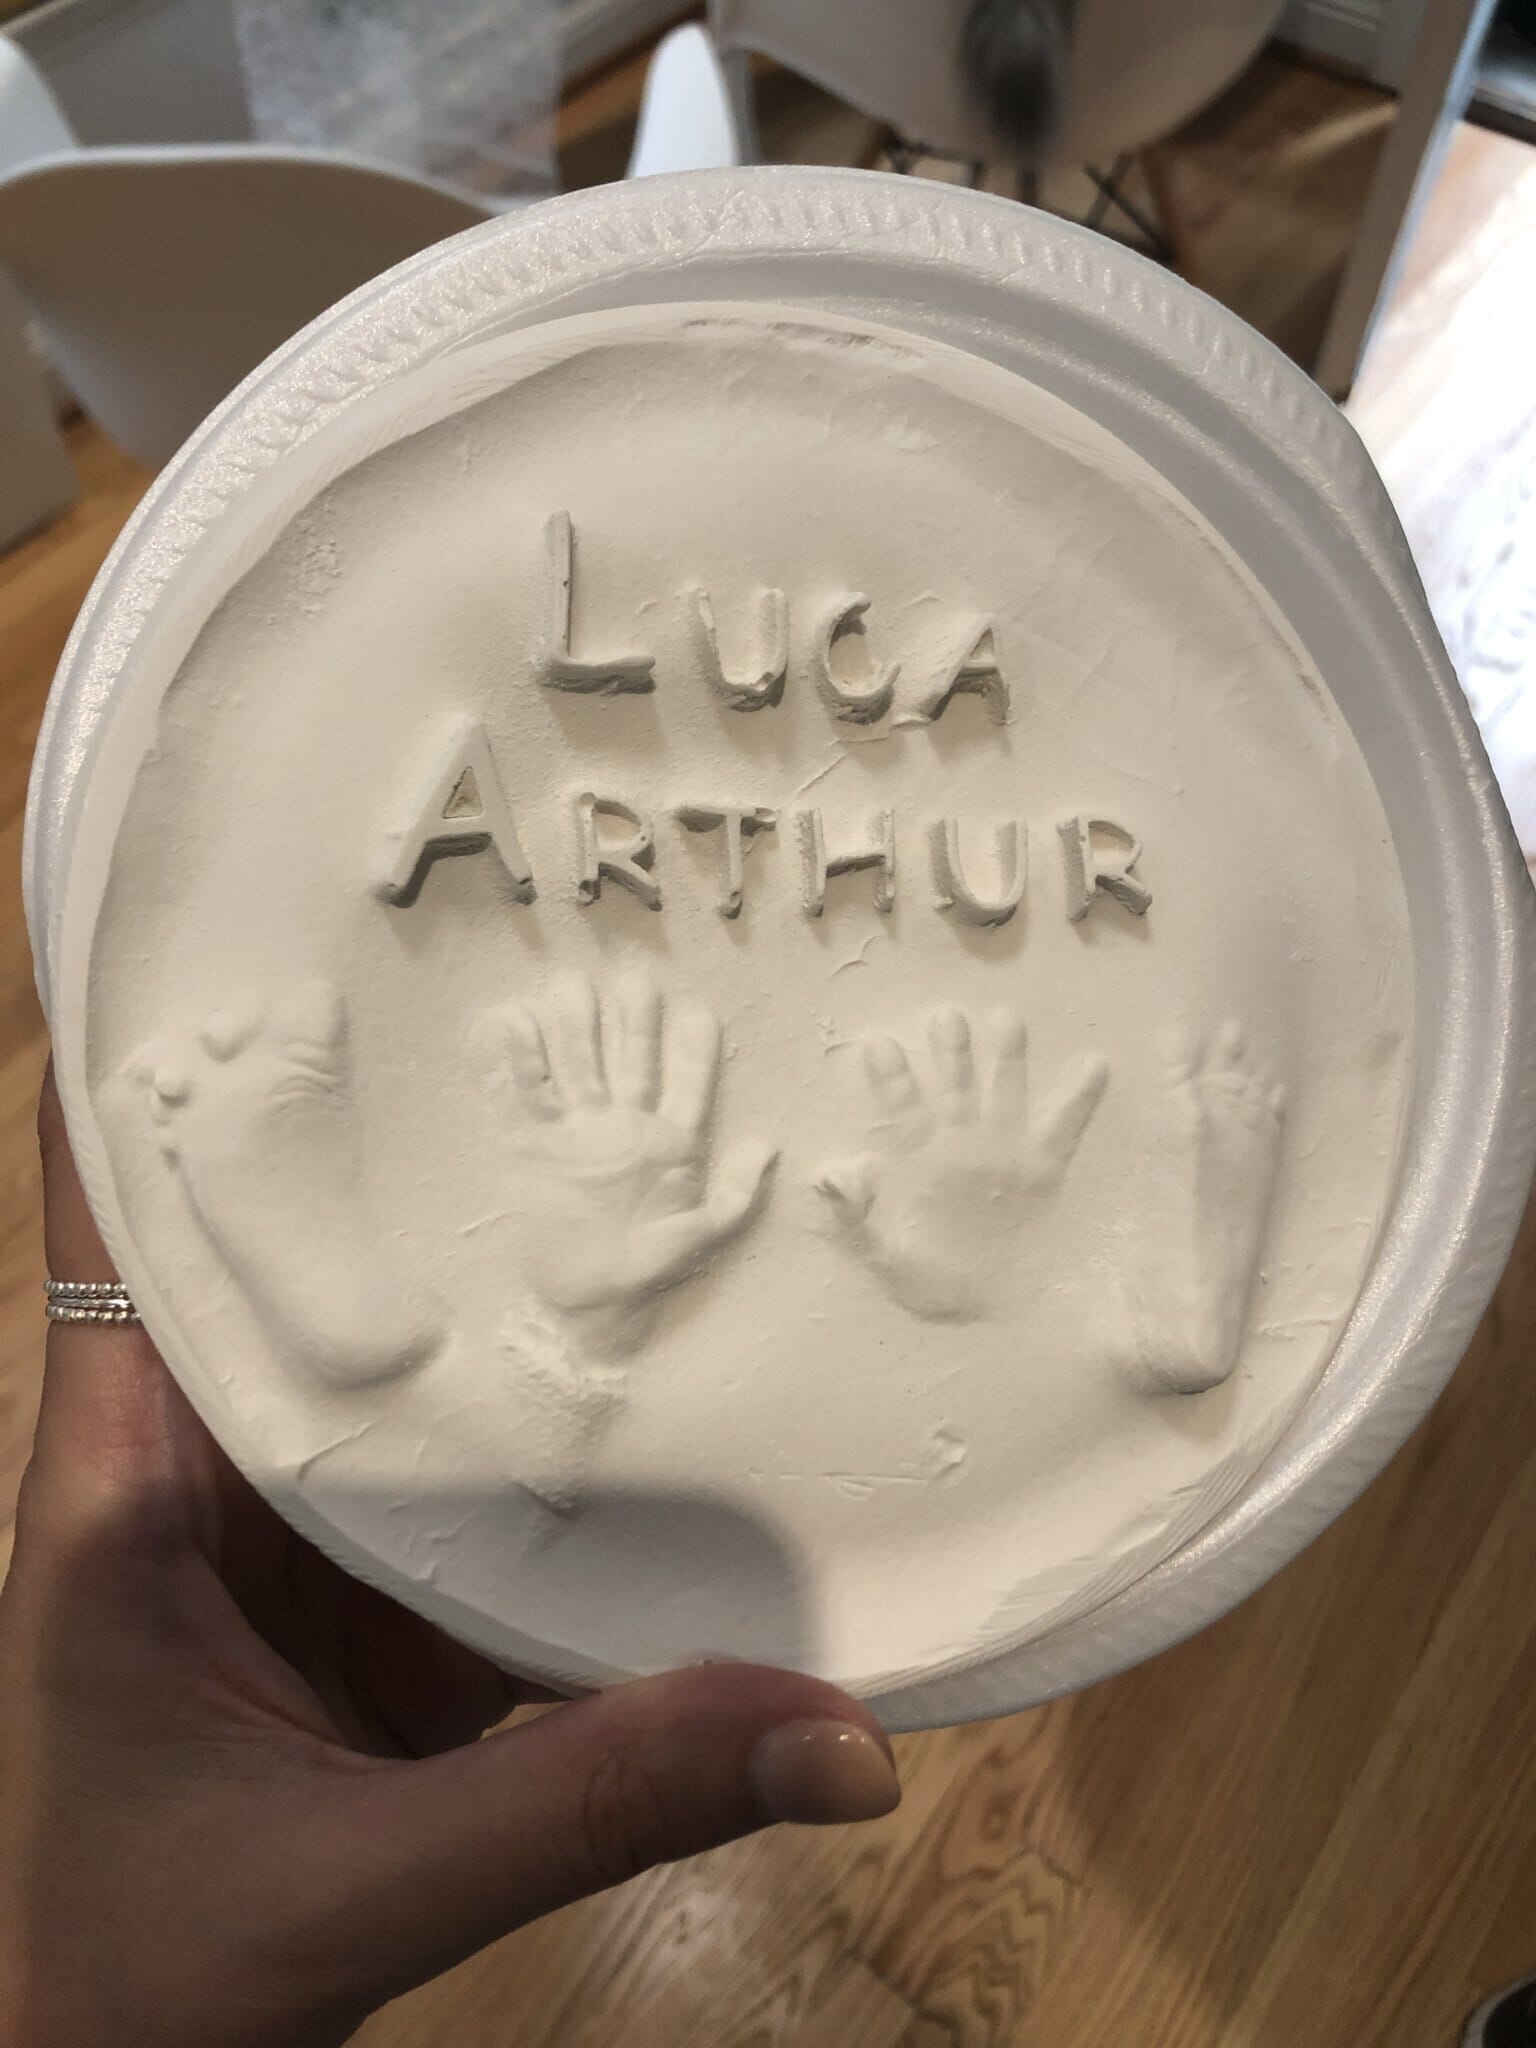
x=686 y=122
x=32 y=123
x=162 y=277
x=1139 y=67
x=896 y=60
x=37 y=478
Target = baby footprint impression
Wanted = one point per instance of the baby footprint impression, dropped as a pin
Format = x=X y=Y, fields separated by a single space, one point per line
x=935 y=1213
x=1194 y=1257
x=255 y=1103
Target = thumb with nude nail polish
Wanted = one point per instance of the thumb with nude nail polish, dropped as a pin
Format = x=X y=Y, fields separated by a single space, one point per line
x=593 y=1793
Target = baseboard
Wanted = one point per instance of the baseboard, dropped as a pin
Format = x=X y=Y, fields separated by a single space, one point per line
x=1346 y=32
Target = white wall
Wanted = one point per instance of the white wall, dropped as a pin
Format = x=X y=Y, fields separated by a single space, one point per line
x=1371 y=36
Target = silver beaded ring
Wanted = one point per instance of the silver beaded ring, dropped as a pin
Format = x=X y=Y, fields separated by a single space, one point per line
x=90 y=1301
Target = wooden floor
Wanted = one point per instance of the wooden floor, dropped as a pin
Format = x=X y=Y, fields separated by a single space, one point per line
x=1269 y=183
x=1312 y=1827
x=1446 y=402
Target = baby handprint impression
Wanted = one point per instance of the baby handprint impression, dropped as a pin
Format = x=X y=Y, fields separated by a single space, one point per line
x=937 y=1211
x=619 y=1197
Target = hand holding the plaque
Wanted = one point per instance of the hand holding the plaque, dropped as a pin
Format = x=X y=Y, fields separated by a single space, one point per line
x=937 y=1212
x=617 y=1196
x=241 y=1799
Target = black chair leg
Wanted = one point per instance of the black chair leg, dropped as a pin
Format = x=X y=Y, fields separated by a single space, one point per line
x=1110 y=194
x=1508 y=2020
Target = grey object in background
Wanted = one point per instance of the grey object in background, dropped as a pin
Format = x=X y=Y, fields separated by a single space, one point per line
x=1507 y=2020
x=170 y=71
x=161 y=277
x=1136 y=71
x=463 y=91
x=153 y=71
x=37 y=479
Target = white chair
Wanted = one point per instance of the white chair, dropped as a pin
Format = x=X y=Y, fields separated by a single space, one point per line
x=686 y=122
x=32 y=123
x=1140 y=68
x=36 y=479
x=161 y=276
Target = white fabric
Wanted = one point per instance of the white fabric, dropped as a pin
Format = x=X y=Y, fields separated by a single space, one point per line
x=463 y=91
x=1140 y=67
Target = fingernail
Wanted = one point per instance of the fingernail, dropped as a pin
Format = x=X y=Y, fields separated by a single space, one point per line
x=821 y=1772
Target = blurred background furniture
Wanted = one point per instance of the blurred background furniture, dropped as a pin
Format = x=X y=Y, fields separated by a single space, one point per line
x=159 y=277
x=1137 y=72
x=1506 y=74
x=32 y=123
x=36 y=480
x=686 y=117
x=171 y=70
x=1438 y=81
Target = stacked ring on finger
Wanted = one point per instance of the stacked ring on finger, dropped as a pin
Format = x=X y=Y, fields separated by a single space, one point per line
x=90 y=1301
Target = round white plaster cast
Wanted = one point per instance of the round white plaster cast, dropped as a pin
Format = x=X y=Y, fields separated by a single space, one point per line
x=742 y=996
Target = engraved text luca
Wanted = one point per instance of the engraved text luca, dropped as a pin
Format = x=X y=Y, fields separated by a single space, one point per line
x=974 y=872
